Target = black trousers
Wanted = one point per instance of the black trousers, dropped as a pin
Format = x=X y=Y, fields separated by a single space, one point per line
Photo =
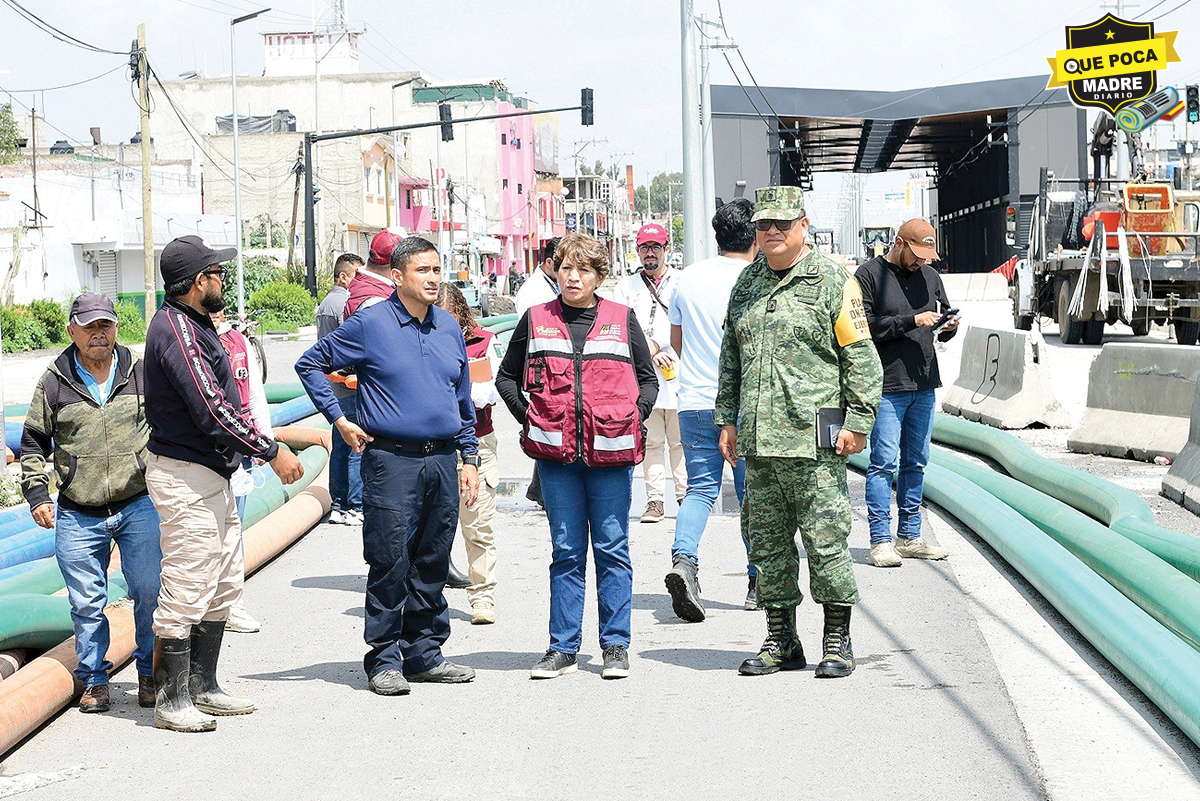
x=410 y=512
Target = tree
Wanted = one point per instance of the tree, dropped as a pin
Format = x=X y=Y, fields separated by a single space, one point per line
x=10 y=136
x=677 y=232
x=659 y=186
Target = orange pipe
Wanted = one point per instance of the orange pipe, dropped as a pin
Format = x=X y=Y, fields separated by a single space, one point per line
x=37 y=691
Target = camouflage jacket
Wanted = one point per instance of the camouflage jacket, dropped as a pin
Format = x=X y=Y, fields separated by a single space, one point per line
x=98 y=451
x=790 y=347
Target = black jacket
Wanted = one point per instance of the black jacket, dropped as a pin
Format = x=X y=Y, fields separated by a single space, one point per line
x=189 y=384
x=892 y=298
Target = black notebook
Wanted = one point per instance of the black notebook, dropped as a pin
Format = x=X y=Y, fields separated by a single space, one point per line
x=829 y=423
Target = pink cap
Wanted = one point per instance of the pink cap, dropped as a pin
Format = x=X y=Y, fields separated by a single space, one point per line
x=653 y=232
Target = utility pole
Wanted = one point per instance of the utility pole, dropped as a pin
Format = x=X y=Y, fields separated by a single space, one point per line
x=710 y=177
x=237 y=165
x=147 y=215
x=693 y=178
x=298 y=168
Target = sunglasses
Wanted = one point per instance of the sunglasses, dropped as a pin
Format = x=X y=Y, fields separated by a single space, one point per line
x=782 y=225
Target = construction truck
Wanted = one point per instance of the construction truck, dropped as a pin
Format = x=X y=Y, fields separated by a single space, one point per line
x=823 y=240
x=1109 y=251
x=877 y=240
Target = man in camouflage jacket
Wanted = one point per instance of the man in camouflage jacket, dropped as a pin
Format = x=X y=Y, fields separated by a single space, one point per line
x=796 y=341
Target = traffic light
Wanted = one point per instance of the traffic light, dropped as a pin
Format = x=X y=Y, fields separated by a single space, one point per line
x=447 y=125
x=1193 y=103
x=586 y=107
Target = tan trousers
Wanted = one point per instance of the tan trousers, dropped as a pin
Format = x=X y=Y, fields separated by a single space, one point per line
x=477 y=528
x=662 y=432
x=201 y=545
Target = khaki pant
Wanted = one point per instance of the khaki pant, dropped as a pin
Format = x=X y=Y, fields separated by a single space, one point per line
x=662 y=432
x=201 y=545
x=477 y=527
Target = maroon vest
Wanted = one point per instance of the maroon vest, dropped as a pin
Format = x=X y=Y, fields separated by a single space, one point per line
x=582 y=404
x=238 y=349
x=477 y=348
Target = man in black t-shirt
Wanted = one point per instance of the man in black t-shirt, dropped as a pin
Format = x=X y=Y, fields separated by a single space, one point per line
x=904 y=299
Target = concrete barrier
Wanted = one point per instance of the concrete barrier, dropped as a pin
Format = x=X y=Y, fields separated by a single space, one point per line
x=1139 y=402
x=1182 y=482
x=1002 y=382
x=962 y=287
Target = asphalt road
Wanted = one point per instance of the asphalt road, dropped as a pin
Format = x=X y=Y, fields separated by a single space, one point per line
x=968 y=686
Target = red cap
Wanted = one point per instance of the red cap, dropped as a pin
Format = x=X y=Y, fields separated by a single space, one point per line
x=382 y=246
x=652 y=232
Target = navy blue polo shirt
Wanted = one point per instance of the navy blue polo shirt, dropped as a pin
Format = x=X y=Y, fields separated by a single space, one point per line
x=413 y=381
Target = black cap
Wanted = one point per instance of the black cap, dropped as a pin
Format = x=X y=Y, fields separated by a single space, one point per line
x=90 y=307
x=185 y=256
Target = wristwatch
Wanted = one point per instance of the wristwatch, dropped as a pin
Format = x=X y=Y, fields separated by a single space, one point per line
x=472 y=460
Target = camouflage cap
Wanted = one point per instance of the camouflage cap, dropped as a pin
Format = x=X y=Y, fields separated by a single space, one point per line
x=778 y=203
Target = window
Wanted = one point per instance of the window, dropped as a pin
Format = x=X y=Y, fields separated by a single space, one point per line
x=504 y=139
x=504 y=183
x=408 y=198
x=517 y=144
x=367 y=178
x=520 y=190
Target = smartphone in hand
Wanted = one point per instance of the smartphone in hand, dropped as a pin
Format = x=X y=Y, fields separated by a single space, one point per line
x=948 y=315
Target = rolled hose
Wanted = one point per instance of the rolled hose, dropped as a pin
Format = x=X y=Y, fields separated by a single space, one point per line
x=1120 y=509
x=292 y=411
x=1160 y=664
x=39 y=689
x=283 y=391
x=1165 y=593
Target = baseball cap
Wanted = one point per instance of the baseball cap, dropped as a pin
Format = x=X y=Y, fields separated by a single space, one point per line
x=382 y=245
x=920 y=237
x=652 y=232
x=778 y=203
x=90 y=307
x=185 y=256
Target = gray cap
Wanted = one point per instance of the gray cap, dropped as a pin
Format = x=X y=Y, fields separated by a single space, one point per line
x=90 y=307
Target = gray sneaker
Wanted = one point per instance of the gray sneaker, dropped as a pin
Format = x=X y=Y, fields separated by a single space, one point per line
x=389 y=682
x=445 y=673
x=616 y=662
x=553 y=665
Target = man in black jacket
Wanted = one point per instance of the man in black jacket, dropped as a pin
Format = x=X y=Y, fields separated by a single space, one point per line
x=198 y=436
x=904 y=299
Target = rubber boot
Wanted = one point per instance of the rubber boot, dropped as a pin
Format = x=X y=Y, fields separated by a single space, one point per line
x=683 y=583
x=781 y=650
x=206 y=693
x=455 y=579
x=173 y=707
x=838 y=659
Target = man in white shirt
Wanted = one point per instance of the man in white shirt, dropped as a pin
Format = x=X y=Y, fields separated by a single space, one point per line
x=542 y=286
x=697 y=316
x=648 y=292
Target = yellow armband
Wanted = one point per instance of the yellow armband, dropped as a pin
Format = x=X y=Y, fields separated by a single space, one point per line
x=851 y=325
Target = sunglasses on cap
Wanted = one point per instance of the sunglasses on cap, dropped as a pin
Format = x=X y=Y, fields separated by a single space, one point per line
x=782 y=225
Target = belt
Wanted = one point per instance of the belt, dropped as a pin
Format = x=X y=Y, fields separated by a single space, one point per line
x=425 y=448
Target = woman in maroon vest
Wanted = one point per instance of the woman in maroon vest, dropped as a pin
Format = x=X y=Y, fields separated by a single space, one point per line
x=477 y=519
x=579 y=378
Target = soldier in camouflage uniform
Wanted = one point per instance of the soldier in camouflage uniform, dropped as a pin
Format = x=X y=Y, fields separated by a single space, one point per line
x=796 y=340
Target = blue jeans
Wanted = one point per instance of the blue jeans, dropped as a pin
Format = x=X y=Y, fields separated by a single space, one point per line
x=705 y=468
x=345 y=475
x=900 y=450
x=82 y=545
x=581 y=499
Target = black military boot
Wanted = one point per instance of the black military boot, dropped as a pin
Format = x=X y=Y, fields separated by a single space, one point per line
x=838 y=660
x=683 y=582
x=173 y=707
x=781 y=650
x=455 y=579
x=202 y=679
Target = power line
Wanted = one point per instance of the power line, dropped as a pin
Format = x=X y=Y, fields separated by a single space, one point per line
x=57 y=33
x=69 y=85
x=1176 y=8
x=1151 y=8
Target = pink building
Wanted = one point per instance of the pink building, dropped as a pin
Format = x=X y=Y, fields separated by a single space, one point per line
x=517 y=222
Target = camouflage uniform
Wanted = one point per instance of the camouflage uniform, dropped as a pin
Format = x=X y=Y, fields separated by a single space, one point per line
x=792 y=346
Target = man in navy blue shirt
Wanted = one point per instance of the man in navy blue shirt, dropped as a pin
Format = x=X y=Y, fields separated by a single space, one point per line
x=414 y=412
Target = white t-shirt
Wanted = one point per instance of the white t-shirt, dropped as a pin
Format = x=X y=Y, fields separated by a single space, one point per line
x=538 y=288
x=698 y=306
x=633 y=292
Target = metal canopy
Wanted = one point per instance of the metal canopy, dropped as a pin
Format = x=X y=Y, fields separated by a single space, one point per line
x=829 y=130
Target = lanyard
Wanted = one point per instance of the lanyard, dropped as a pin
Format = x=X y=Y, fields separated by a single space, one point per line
x=649 y=282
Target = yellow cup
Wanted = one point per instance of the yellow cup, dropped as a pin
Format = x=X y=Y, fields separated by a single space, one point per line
x=668 y=371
